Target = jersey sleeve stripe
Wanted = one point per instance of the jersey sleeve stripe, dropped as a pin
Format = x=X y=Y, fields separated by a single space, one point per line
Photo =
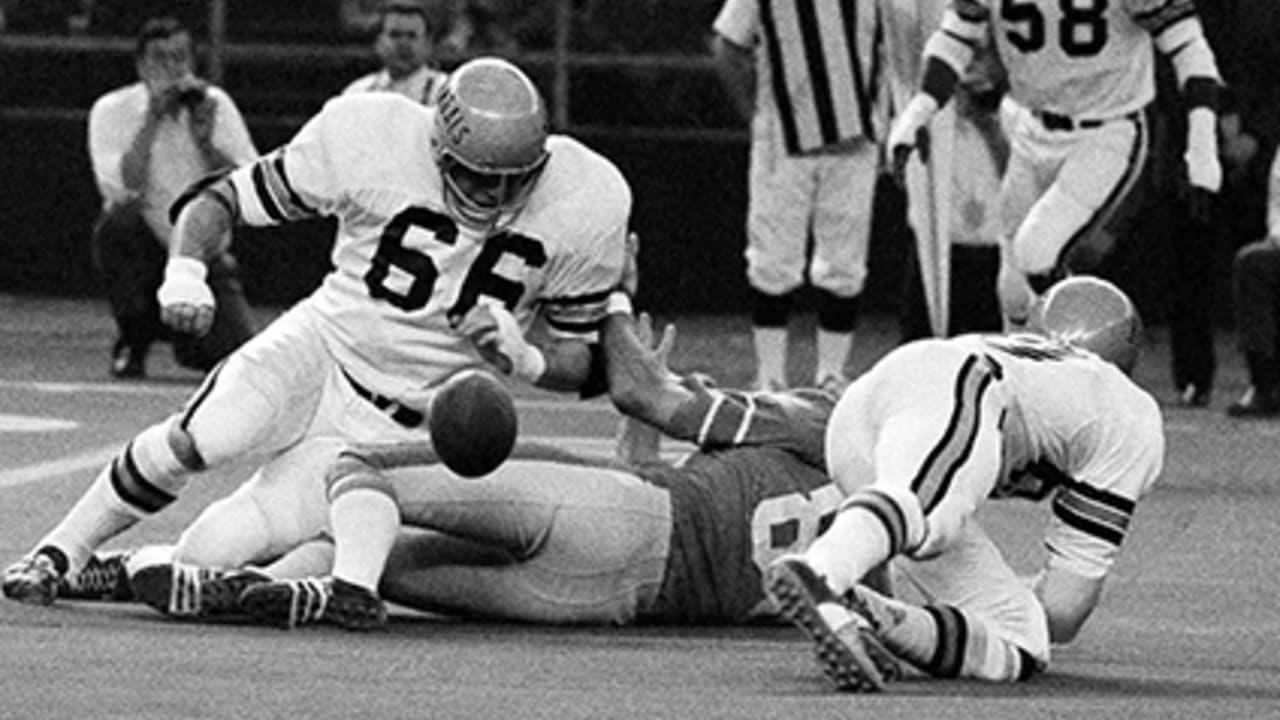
x=295 y=200
x=1165 y=15
x=1106 y=518
x=953 y=449
x=262 y=190
x=717 y=399
x=574 y=326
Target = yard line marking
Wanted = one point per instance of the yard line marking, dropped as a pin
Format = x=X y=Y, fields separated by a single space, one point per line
x=34 y=424
x=48 y=470
x=57 y=468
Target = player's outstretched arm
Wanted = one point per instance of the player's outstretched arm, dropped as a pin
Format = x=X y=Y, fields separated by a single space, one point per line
x=641 y=385
x=201 y=230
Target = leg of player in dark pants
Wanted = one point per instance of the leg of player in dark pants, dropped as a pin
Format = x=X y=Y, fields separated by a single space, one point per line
x=1256 y=291
x=130 y=262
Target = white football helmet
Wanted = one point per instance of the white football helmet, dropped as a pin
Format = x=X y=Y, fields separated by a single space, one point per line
x=1090 y=313
x=489 y=140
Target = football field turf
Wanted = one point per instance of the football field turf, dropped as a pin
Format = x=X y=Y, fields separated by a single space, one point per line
x=1189 y=624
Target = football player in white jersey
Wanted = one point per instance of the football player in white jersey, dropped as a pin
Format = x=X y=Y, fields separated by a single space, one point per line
x=1080 y=75
x=460 y=228
x=932 y=430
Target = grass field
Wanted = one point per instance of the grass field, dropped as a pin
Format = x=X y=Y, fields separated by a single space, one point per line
x=1189 y=626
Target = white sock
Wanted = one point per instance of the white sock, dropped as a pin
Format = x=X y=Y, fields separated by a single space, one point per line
x=365 y=524
x=97 y=516
x=771 y=354
x=833 y=353
x=855 y=543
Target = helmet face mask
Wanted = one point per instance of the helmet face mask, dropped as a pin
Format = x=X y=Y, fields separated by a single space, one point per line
x=1090 y=313
x=489 y=140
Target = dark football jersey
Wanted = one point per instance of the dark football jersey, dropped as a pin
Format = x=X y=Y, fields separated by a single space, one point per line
x=756 y=489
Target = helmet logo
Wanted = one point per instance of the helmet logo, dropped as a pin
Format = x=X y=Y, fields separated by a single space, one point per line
x=452 y=117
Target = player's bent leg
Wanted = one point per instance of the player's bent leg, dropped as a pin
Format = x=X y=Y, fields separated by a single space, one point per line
x=943 y=640
x=282 y=506
x=844 y=637
x=140 y=481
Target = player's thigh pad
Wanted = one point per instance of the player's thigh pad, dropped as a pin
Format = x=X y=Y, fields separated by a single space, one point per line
x=281 y=506
x=264 y=396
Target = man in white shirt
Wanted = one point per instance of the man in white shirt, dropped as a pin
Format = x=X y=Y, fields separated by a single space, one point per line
x=405 y=41
x=148 y=141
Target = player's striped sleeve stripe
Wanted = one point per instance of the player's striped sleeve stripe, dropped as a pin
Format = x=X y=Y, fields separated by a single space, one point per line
x=1094 y=511
x=887 y=511
x=134 y=489
x=1163 y=15
x=274 y=192
x=950 y=453
x=971 y=11
x=728 y=417
x=577 y=314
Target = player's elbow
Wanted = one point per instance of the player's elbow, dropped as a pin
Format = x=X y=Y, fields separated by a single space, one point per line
x=1066 y=619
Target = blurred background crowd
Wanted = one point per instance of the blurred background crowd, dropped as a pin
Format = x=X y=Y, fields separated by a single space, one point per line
x=634 y=79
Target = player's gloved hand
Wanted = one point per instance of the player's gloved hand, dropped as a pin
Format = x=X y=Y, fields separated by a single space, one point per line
x=1204 y=169
x=497 y=336
x=910 y=132
x=186 y=302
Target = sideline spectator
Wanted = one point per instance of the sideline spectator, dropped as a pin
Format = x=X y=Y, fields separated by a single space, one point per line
x=1255 y=284
x=814 y=163
x=1195 y=240
x=405 y=44
x=147 y=142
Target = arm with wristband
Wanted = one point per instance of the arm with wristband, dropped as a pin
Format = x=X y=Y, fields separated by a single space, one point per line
x=948 y=53
x=1183 y=41
x=201 y=230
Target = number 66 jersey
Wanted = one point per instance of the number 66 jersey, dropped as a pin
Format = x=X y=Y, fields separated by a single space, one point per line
x=404 y=270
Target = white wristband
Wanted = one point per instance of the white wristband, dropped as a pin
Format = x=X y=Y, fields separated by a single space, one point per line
x=529 y=364
x=619 y=303
x=183 y=266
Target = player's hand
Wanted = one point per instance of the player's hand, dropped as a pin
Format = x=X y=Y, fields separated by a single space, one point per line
x=186 y=302
x=499 y=340
x=910 y=133
x=631 y=267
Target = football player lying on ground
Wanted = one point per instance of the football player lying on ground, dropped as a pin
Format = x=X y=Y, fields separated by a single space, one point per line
x=555 y=537
x=927 y=434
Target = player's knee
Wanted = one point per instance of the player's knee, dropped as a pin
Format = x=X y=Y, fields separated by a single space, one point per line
x=183 y=446
x=354 y=470
x=155 y=464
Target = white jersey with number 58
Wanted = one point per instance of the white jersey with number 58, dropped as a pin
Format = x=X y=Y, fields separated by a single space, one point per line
x=404 y=271
x=1089 y=59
